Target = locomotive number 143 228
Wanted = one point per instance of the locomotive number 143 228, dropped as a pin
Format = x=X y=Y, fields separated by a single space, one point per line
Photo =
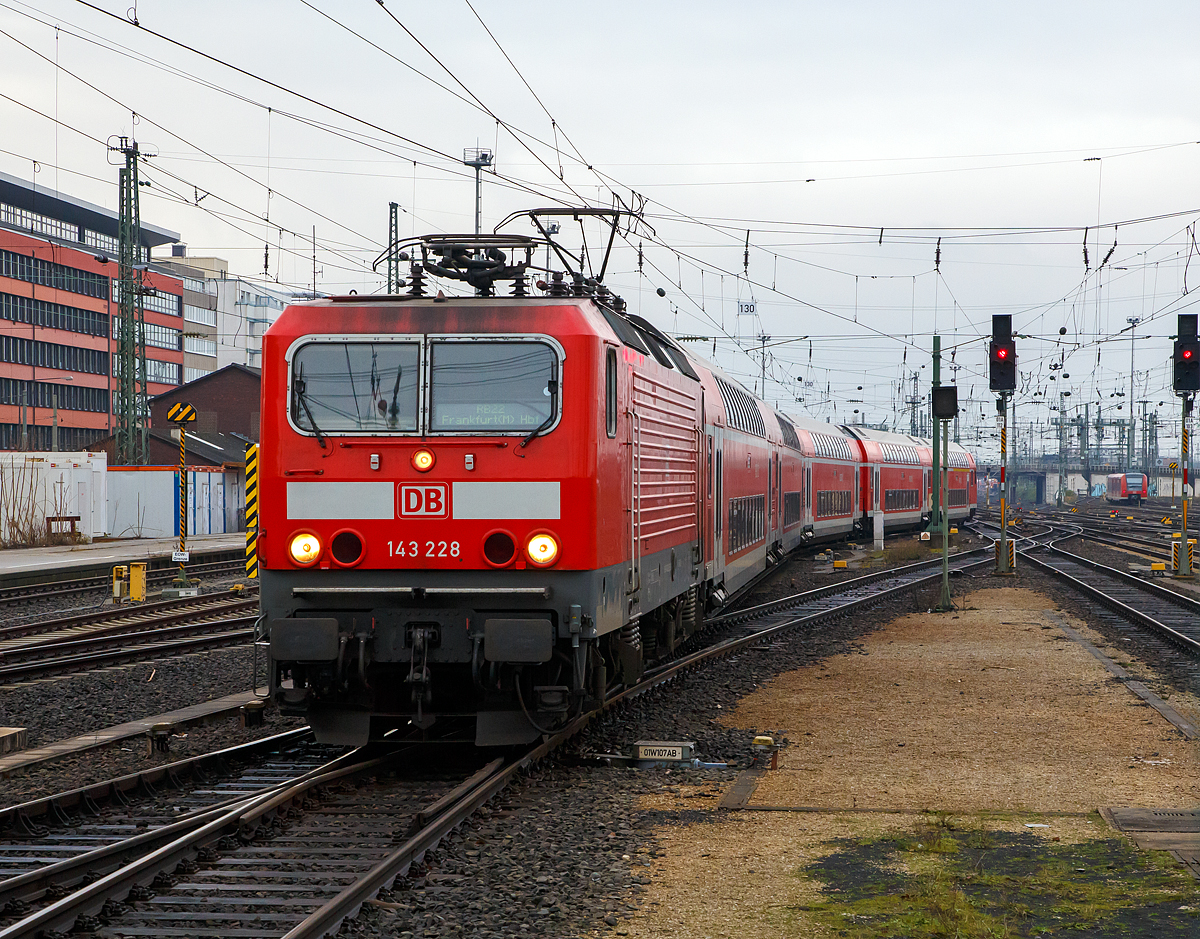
x=433 y=549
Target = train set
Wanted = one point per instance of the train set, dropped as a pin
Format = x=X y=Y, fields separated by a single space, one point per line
x=487 y=512
x=1133 y=488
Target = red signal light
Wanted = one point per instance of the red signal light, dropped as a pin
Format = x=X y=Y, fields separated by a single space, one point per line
x=1002 y=353
x=1187 y=353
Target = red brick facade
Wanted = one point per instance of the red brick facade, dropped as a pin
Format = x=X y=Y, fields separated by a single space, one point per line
x=226 y=401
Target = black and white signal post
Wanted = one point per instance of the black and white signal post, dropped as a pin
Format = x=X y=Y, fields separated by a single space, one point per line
x=182 y=415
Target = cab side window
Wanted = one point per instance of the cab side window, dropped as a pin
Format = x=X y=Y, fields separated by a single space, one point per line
x=610 y=392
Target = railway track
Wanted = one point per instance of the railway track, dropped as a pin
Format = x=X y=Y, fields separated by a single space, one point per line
x=1170 y=617
x=123 y=619
x=68 y=586
x=1121 y=534
x=1167 y=622
x=124 y=634
x=261 y=855
x=294 y=864
x=55 y=844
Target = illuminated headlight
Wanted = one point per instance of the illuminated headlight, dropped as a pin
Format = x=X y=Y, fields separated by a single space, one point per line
x=542 y=550
x=423 y=460
x=305 y=548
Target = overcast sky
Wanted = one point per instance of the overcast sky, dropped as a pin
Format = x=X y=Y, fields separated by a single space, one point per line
x=847 y=138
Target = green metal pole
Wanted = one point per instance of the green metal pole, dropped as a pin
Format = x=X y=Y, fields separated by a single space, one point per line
x=936 y=508
x=946 y=603
x=1002 y=565
x=1183 y=566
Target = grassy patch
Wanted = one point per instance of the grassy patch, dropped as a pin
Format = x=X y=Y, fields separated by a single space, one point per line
x=950 y=879
x=905 y=553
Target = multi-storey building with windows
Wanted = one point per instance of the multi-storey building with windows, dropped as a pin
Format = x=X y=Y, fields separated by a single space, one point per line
x=59 y=308
x=226 y=326
x=199 y=314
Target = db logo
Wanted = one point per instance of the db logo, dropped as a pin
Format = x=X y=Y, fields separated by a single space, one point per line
x=426 y=501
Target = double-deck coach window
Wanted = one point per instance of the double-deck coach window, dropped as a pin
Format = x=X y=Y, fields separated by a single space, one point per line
x=356 y=386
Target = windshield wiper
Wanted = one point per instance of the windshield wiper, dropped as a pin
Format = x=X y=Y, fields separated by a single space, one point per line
x=394 y=410
x=553 y=387
x=299 y=387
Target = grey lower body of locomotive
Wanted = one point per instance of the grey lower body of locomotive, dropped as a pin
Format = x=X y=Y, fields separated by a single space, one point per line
x=337 y=632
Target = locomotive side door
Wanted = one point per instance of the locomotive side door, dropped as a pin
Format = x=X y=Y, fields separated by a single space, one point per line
x=633 y=447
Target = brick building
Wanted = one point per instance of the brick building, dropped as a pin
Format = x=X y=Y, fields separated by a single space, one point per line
x=226 y=402
x=58 y=313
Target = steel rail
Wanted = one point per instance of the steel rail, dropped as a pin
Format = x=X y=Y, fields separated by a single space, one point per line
x=89 y=798
x=33 y=886
x=735 y=617
x=147 y=612
x=1123 y=609
x=239 y=819
x=91 y=660
x=457 y=807
x=41 y=650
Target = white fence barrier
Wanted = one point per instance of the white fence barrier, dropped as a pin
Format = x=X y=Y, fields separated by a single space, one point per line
x=144 y=502
x=47 y=495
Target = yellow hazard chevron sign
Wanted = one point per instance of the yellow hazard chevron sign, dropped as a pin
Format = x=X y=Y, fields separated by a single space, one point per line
x=181 y=413
x=251 y=510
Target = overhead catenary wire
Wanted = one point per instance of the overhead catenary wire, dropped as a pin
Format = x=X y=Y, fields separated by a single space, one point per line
x=679 y=279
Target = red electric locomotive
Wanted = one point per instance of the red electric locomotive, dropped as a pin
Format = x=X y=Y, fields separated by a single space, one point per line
x=478 y=515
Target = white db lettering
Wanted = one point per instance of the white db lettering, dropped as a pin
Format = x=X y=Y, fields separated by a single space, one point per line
x=427 y=501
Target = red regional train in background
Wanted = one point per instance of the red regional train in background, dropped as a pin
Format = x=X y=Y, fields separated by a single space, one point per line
x=479 y=515
x=1127 y=487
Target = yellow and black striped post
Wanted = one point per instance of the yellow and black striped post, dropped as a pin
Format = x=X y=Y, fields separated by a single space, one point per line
x=181 y=578
x=182 y=415
x=252 y=510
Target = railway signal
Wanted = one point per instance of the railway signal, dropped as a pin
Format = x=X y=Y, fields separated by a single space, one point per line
x=1187 y=355
x=1186 y=382
x=1002 y=355
x=1002 y=377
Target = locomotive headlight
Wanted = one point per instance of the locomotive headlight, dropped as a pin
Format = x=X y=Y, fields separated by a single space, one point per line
x=305 y=548
x=542 y=550
x=423 y=460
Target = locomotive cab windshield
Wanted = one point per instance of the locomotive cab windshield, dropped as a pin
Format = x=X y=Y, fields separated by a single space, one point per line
x=491 y=387
x=427 y=385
